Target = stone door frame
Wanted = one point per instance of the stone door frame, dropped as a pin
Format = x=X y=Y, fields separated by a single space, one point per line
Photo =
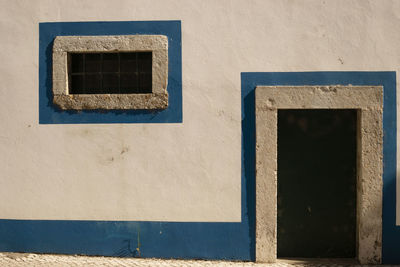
x=368 y=101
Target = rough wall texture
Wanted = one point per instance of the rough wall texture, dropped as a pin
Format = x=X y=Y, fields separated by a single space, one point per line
x=175 y=172
x=368 y=100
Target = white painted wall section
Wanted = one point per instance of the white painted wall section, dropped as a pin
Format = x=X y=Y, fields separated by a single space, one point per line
x=169 y=172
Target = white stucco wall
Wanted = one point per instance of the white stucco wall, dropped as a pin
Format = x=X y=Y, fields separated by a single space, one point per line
x=108 y=171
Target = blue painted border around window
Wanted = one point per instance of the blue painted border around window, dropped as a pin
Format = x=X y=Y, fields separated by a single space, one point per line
x=49 y=114
x=209 y=240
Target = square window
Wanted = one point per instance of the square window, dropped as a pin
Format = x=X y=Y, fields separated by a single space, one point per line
x=110 y=72
x=55 y=88
x=103 y=73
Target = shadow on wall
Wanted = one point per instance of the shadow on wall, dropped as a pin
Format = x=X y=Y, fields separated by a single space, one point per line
x=390 y=231
x=249 y=166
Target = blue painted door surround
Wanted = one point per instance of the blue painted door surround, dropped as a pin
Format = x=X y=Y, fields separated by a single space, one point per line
x=390 y=232
x=188 y=240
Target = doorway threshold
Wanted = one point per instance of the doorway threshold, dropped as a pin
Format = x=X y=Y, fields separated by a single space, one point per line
x=318 y=261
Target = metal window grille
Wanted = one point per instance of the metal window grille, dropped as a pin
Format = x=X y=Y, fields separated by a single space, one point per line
x=110 y=73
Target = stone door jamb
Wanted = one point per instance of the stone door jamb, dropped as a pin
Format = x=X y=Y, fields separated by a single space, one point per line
x=368 y=101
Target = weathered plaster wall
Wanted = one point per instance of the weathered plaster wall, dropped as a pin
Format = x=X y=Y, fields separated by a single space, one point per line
x=169 y=172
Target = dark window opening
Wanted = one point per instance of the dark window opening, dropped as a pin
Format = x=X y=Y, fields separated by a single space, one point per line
x=317 y=154
x=110 y=73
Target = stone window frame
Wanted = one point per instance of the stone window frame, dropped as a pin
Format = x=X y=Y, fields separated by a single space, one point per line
x=368 y=101
x=157 y=44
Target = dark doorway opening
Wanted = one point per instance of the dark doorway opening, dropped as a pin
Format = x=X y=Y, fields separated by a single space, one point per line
x=317 y=159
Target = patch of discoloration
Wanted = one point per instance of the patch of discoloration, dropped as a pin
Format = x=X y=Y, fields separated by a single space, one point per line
x=124 y=150
x=368 y=100
x=157 y=44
